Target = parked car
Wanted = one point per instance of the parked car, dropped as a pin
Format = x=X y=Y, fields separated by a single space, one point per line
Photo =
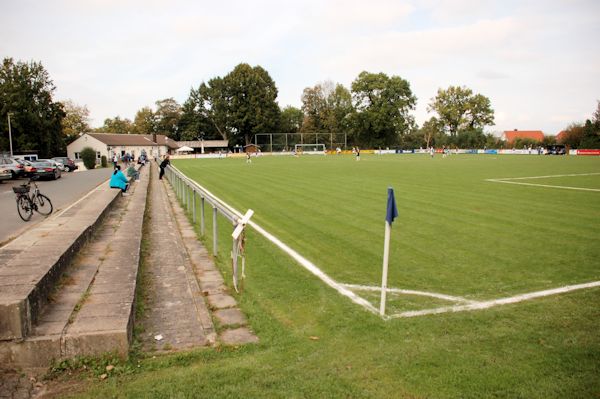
x=68 y=163
x=5 y=174
x=556 y=149
x=29 y=169
x=60 y=165
x=47 y=168
x=14 y=165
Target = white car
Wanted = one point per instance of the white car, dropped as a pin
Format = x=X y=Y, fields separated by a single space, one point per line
x=60 y=165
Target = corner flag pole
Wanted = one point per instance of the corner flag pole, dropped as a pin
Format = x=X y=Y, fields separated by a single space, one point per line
x=391 y=214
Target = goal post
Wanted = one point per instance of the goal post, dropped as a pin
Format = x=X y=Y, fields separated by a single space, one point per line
x=310 y=149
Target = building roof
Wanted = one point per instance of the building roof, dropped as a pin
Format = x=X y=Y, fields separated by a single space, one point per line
x=116 y=139
x=512 y=135
x=561 y=136
x=207 y=143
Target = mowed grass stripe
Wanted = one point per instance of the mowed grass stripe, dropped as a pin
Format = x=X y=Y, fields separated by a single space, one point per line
x=315 y=343
x=456 y=234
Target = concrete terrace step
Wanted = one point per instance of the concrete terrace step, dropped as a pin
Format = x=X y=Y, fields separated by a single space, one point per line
x=232 y=323
x=89 y=310
x=33 y=263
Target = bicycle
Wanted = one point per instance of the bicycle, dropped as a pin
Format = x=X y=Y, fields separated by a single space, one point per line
x=26 y=203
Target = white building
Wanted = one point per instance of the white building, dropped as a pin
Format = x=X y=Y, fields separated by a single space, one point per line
x=109 y=144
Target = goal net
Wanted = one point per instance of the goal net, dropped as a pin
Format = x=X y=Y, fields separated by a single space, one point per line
x=310 y=149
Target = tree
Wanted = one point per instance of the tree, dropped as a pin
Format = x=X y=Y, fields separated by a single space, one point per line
x=26 y=92
x=290 y=120
x=591 y=135
x=145 y=121
x=382 y=106
x=88 y=155
x=314 y=105
x=116 y=125
x=326 y=107
x=234 y=108
x=251 y=105
x=339 y=108
x=167 y=116
x=492 y=141
x=470 y=138
x=573 y=135
x=204 y=114
x=459 y=109
x=431 y=131
x=75 y=122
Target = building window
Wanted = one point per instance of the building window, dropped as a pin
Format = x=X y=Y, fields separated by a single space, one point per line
x=98 y=156
x=77 y=155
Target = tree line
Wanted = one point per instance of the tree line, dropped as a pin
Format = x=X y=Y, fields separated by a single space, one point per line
x=375 y=112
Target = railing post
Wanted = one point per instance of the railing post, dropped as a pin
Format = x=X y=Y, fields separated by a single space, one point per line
x=215 y=231
x=194 y=205
x=185 y=196
x=202 y=216
x=189 y=197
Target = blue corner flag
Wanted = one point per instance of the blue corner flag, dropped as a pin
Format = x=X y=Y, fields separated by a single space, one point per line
x=392 y=211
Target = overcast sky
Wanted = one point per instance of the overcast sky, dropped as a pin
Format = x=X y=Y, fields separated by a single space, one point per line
x=537 y=61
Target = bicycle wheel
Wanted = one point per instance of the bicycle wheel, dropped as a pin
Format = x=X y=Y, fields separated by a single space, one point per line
x=24 y=207
x=43 y=205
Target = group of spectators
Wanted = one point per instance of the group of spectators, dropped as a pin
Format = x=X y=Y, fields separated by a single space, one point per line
x=118 y=179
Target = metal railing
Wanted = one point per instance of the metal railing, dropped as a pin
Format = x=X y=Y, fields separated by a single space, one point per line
x=188 y=192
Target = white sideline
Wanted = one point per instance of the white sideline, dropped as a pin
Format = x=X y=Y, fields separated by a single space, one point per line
x=496 y=302
x=544 y=185
x=296 y=256
x=409 y=292
x=546 y=177
x=315 y=270
x=343 y=288
x=509 y=180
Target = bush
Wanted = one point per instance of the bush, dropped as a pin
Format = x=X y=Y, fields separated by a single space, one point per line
x=103 y=161
x=88 y=155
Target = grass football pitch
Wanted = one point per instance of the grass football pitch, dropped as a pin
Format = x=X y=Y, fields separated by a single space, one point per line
x=457 y=234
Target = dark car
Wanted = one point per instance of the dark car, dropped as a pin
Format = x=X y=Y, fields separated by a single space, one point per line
x=556 y=149
x=29 y=169
x=47 y=168
x=68 y=164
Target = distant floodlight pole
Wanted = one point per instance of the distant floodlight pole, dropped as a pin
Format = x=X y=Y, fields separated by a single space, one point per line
x=390 y=215
x=10 y=134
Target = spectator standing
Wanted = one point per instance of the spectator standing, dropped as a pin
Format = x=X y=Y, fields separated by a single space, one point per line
x=163 y=165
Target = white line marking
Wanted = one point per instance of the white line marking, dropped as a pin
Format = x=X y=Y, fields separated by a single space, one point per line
x=315 y=270
x=57 y=215
x=340 y=288
x=296 y=256
x=496 y=302
x=409 y=292
x=545 y=185
x=508 y=180
x=545 y=177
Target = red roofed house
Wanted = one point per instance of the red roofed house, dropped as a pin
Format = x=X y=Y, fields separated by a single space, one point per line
x=561 y=136
x=511 y=135
x=109 y=144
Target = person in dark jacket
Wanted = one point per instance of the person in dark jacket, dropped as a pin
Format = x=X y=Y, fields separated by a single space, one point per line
x=163 y=165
